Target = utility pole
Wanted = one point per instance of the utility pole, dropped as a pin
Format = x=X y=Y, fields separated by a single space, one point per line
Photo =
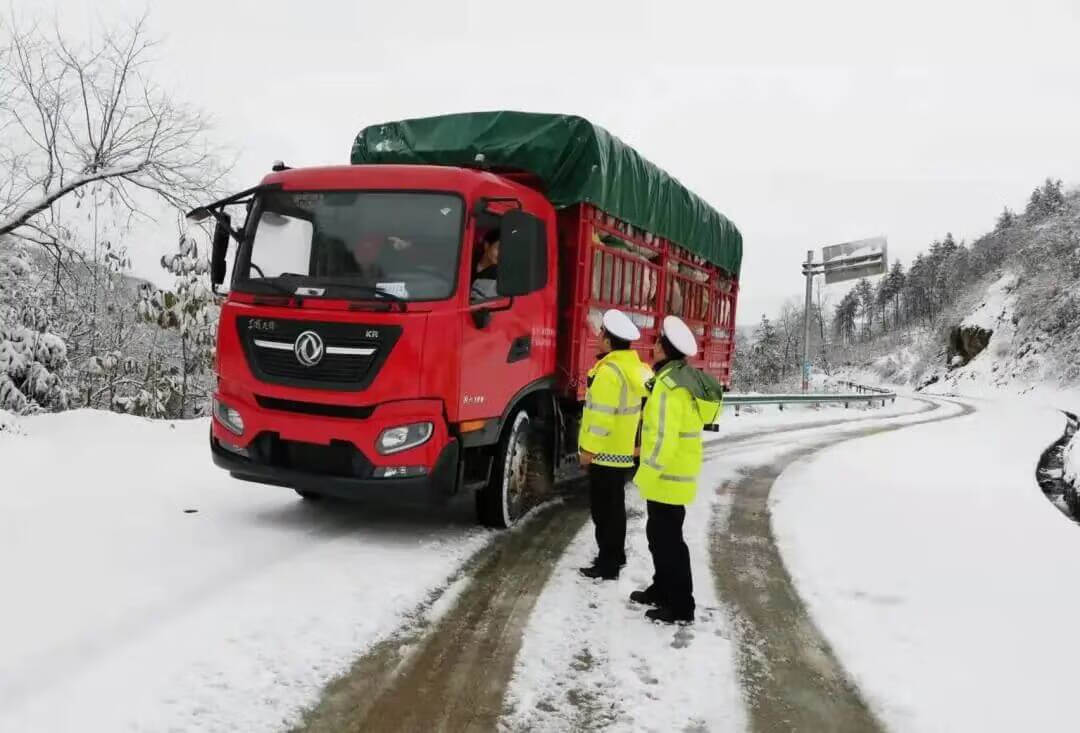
x=808 y=270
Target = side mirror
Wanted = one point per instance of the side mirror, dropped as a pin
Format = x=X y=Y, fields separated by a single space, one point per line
x=522 y=254
x=218 y=250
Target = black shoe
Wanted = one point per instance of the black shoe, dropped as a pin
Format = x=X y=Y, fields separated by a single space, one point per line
x=647 y=597
x=667 y=616
x=594 y=572
x=622 y=562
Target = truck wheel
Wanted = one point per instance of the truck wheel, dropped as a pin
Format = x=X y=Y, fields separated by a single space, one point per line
x=507 y=497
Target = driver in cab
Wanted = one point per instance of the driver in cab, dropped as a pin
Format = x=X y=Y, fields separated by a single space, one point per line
x=486 y=269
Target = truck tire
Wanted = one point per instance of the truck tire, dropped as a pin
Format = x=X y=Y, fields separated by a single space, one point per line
x=517 y=482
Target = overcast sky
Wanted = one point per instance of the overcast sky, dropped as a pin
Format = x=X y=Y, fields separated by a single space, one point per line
x=807 y=123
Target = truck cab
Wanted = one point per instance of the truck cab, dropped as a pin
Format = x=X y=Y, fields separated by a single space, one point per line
x=357 y=353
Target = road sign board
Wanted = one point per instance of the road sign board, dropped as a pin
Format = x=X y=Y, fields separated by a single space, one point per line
x=854 y=260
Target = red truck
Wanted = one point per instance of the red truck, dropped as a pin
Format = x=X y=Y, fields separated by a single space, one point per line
x=358 y=354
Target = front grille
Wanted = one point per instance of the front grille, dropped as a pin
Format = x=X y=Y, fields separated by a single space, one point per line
x=330 y=369
x=339 y=458
x=268 y=344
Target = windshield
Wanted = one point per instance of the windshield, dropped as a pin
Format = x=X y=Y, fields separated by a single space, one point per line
x=355 y=243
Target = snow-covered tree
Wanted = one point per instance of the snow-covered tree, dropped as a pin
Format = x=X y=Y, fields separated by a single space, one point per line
x=881 y=302
x=790 y=332
x=1005 y=220
x=766 y=357
x=845 y=317
x=864 y=295
x=894 y=285
x=191 y=309
x=1046 y=200
x=31 y=355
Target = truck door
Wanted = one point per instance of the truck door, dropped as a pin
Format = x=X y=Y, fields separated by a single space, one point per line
x=506 y=341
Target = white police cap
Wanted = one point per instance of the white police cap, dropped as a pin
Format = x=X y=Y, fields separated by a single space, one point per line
x=619 y=325
x=680 y=335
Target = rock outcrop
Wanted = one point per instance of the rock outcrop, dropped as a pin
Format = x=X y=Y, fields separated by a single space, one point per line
x=965 y=343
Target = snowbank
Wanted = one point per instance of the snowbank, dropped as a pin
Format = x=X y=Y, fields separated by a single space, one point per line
x=122 y=611
x=929 y=559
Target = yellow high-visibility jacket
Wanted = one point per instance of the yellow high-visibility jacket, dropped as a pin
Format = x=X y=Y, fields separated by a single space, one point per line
x=609 y=422
x=682 y=401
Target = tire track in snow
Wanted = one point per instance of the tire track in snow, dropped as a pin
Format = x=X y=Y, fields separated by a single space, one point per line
x=454 y=677
x=453 y=674
x=594 y=663
x=791 y=679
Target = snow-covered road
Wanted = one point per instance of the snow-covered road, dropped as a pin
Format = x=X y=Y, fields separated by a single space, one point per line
x=588 y=660
x=120 y=611
x=940 y=573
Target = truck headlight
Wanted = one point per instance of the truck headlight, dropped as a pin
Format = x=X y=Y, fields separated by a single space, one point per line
x=403 y=437
x=229 y=417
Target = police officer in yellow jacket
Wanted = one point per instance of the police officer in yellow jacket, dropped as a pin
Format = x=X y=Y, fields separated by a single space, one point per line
x=682 y=401
x=609 y=428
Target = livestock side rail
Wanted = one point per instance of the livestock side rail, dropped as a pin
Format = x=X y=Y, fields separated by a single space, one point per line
x=870 y=398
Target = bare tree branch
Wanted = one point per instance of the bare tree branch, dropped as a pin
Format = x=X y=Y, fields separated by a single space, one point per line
x=26 y=214
x=76 y=113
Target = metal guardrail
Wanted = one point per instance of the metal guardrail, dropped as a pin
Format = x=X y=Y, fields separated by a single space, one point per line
x=860 y=388
x=869 y=395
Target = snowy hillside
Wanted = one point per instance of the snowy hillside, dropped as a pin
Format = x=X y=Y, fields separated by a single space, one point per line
x=1014 y=331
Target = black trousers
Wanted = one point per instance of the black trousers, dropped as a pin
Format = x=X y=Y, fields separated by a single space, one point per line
x=672 y=582
x=607 y=500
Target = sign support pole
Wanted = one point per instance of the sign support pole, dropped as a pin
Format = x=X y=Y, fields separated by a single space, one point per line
x=839 y=262
x=808 y=269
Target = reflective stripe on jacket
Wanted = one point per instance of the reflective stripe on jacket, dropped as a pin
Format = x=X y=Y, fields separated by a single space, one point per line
x=609 y=421
x=672 y=422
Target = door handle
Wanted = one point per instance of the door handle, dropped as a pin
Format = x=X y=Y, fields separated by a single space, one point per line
x=520 y=349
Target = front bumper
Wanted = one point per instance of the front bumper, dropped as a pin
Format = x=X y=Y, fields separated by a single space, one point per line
x=434 y=487
x=336 y=454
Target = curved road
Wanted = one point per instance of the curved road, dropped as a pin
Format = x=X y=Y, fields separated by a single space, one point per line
x=454 y=675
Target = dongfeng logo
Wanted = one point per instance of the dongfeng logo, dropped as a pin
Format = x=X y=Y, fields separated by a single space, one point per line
x=309 y=348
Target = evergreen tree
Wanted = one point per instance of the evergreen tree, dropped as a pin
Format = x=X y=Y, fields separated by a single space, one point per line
x=1034 y=204
x=864 y=295
x=845 y=316
x=1006 y=219
x=894 y=284
x=1053 y=198
x=917 y=290
x=766 y=354
x=881 y=301
x=1046 y=200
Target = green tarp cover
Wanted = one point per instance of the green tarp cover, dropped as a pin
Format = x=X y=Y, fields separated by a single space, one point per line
x=577 y=161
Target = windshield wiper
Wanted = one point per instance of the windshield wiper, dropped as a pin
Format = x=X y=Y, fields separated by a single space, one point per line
x=270 y=283
x=373 y=290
